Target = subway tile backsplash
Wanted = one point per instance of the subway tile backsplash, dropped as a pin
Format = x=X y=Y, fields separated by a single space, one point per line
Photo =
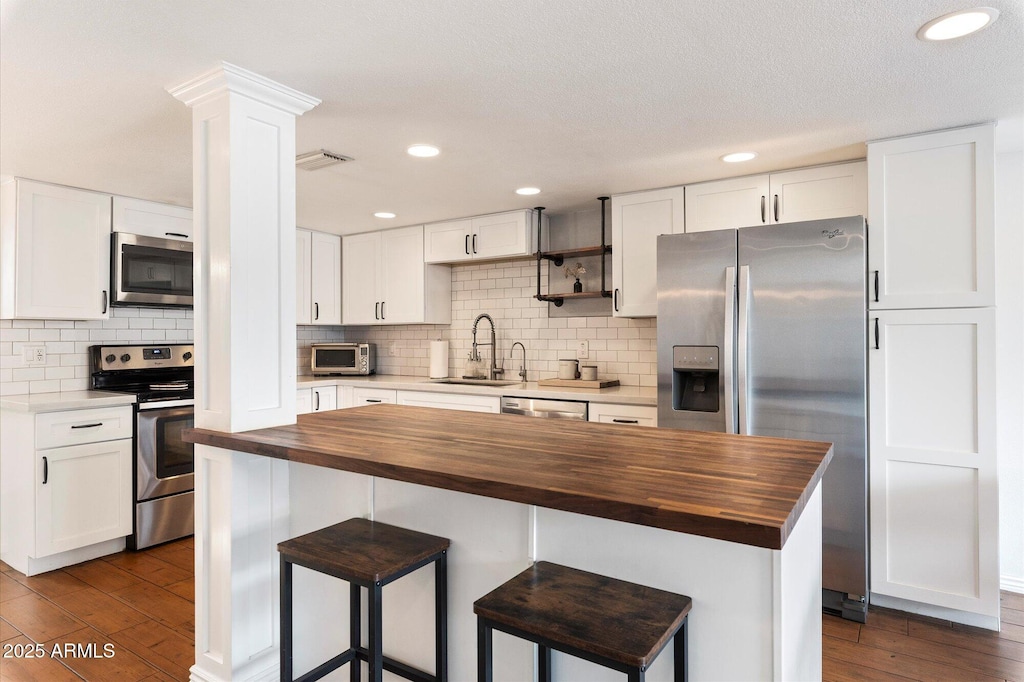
x=67 y=345
x=622 y=348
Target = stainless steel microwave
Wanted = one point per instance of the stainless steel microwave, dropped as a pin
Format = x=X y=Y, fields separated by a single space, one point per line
x=149 y=271
x=344 y=358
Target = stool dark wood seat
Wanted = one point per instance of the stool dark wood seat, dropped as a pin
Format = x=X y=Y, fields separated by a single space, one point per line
x=371 y=555
x=619 y=625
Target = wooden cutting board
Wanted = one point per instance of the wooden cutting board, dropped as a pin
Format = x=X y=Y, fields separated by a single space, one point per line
x=579 y=383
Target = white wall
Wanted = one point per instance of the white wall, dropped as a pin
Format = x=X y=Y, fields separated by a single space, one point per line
x=625 y=349
x=67 y=345
x=1010 y=363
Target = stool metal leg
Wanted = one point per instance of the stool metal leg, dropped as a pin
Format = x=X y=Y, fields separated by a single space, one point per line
x=441 y=618
x=376 y=650
x=635 y=675
x=483 y=651
x=286 y=620
x=543 y=663
x=355 y=639
x=680 y=652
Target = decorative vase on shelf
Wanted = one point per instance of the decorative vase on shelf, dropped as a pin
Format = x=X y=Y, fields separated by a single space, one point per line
x=578 y=286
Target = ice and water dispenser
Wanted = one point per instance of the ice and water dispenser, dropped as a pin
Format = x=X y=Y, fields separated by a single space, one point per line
x=695 y=378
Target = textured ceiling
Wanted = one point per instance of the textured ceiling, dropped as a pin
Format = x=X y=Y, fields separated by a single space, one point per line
x=579 y=98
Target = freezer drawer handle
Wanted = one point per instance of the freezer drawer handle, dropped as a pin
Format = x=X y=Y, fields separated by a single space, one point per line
x=86 y=426
x=876 y=334
x=876 y=286
x=46 y=471
x=763 y=216
x=626 y=421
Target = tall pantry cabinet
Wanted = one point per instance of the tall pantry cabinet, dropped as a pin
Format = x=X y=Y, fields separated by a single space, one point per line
x=931 y=260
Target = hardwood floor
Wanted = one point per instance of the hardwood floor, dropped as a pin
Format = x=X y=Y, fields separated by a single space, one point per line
x=141 y=604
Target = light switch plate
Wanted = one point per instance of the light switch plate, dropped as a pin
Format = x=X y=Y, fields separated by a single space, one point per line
x=34 y=355
x=582 y=350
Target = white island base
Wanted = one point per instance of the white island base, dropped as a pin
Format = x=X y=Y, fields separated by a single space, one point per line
x=756 y=612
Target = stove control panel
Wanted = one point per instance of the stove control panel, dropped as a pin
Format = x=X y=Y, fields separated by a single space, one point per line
x=111 y=358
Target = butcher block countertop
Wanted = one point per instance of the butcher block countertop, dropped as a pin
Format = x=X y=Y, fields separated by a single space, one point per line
x=744 y=489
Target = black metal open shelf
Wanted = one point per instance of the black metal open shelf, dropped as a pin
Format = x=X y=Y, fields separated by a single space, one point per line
x=558 y=257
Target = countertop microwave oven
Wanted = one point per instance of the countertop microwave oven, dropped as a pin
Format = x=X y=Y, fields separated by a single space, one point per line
x=150 y=271
x=343 y=358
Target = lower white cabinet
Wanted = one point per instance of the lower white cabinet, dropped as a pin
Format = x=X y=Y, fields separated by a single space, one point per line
x=933 y=493
x=65 y=485
x=637 y=415
x=372 y=396
x=451 y=401
x=318 y=399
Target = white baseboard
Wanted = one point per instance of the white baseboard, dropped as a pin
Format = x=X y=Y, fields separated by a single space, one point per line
x=1011 y=584
x=963 y=617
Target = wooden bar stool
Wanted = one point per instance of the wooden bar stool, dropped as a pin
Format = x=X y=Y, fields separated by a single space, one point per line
x=620 y=625
x=371 y=555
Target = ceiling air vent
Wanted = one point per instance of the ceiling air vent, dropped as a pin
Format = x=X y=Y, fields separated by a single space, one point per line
x=319 y=159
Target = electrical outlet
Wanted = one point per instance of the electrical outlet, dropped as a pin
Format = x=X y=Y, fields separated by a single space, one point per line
x=34 y=355
x=393 y=349
x=583 y=349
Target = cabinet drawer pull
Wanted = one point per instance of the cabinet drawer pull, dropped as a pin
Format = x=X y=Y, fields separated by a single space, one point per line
x=474 y=243
x=46 y=471
x=317 y=394
x=626 y=421
x=615 y=300
x=376 y=310
x=176 y=234
x=876 y=286
x=876 y=334
x=467 y=244
x=763 y=216
x=316 y=310
x=104 y=301
x=776 y=208
x=86 y=426
x=373 y=400
x=382 y=310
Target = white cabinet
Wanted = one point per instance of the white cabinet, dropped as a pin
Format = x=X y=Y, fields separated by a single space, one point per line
x=318 y=277
x=319 y=399
x=385 y=280
x=931 y=220
x=372 y=396
x=451 y=401
x=148 y=218
x=303 y=401
x=54 y=252
x=637 y=415
x=65 y=485
x=488 y=237
x=933 y=495
x=814 y=193
x=637 y=220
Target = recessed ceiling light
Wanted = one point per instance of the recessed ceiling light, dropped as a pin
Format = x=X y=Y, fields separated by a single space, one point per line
x=957 y=24
x=526 y=191
x=423 y=150
x=383 y=214
x=739 y=156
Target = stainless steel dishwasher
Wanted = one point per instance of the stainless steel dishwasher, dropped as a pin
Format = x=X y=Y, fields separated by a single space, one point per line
x=548 y=409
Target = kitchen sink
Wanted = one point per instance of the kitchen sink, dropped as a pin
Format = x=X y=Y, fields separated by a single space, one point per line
x=476 y=382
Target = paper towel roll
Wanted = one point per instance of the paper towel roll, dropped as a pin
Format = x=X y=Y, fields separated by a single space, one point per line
x=438 y=359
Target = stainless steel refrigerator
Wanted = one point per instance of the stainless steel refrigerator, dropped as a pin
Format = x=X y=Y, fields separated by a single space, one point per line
x=762 y=331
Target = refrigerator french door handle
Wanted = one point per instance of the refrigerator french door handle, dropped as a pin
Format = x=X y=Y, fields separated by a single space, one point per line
x=730 y=348
x=742 y=335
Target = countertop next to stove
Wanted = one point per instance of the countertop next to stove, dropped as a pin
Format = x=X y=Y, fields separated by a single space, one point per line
x=64 y=400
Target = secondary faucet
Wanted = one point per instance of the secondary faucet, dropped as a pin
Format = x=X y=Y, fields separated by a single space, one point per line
x=522 y=368
x=493 y=373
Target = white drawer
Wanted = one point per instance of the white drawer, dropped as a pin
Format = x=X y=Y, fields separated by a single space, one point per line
x=637 y=415
x=75 y=427
x=373 y=396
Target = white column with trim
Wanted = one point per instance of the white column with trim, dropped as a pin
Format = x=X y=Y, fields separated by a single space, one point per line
x=244 y=202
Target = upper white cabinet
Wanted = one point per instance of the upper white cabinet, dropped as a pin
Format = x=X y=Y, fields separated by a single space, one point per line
x=931 y=219
x=637 y=220
x=501 y=235
x=782 y=197
x=54 y=252
x=318 y=278
x=385 y=280
x=151 y=219
x=933 y=492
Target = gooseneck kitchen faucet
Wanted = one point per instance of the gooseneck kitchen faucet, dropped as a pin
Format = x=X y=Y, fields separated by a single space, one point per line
x=493 y=373
x=522 y=368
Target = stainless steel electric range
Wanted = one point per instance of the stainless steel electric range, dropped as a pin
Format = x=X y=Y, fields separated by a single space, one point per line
x=161 y=377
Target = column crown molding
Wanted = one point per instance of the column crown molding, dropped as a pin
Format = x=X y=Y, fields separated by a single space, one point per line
x=228 y=78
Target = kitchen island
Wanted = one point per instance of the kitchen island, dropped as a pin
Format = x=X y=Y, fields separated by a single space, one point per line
x=732 y=521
